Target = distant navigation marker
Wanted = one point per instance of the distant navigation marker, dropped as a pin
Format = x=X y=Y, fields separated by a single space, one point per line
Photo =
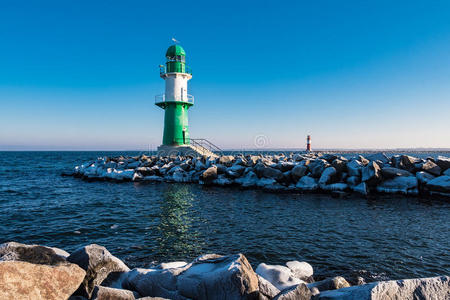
x=308 y=143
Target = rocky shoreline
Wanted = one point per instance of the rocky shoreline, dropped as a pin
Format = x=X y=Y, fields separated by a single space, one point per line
x=92 y=272
x=308 y=172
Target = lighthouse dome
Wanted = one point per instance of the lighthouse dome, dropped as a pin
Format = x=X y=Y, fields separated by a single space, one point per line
x=175 y=50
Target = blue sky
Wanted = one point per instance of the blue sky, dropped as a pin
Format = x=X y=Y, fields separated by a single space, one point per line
x=353 y=74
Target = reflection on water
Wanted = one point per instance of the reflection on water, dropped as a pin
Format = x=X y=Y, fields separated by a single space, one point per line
x=176 y=237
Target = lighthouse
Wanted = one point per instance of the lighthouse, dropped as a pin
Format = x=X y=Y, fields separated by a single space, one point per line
x=176 y=102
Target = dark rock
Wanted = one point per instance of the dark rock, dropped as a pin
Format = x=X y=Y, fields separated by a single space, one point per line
x=440 y=184
x=408 y=162
x=354 y=168
x=98 y=264
x=443 y=162
x=363 y=160
x=226 y=160
x=327 y=176
x=378 y=156
x=106 y=293
x=390 y=172
x=317 y=167
x=34 y=254
x=298 y=172
x=430 y=167
x=371 y=173
x=339 y=165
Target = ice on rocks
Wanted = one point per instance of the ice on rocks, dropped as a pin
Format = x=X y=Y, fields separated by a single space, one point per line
x=279 y=276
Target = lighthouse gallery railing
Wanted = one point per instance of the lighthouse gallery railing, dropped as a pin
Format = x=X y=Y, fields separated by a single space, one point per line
x=162 y=98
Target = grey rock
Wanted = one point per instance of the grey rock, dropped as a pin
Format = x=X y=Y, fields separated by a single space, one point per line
x=371 y=173
x=339 y=165
x=307 y=183
x=430 y=167
x=298 y=172
x=226 y=160
x=299 y=292
x=361 y=189
x=353 y=180
x=327 y=176
x=34 y=254
x=266 y=288
x=106 y=293
x=301 y=269
x=391 y=172
x=280 y=276
x=354 y=168
x=424 y=177
x=378 y=156
x=400 y=184
x=434 y=288
x=317 y=167
x=98 y=264
x=440 y=184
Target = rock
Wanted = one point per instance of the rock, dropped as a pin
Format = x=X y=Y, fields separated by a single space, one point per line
x=354 y=168
x=400 y=184
x=431 y=168
x=327 y=176
x=334 y=283
x=307 y=183
x=423 y=177
x=422 y=288
x=222 y=180
x=391 y=172
x=269 y=172
x=209 y=174
x=106 y=293
x=298 y=292
x=408 y=162
x=207 y=277
x=339 y=165
x=339 y=186
x=301 y=270
x=329 y=157
x=220 y=277
x=249 y=180
x=172 y=265
x=298 y=172
x=285 y=166
x=280 y=276
x=317 y=167
x=34 y=254
x=446 y=172
x=266 y=288
x=440 y=184
x=443 y=162
x=378 y=156
x=353 y=180
x=98 y=264
x=24 y=280
x=371 y=173
x=363 y=160
x=361 y=189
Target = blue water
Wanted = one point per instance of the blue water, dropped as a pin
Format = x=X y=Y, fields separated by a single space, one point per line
x=142 y=223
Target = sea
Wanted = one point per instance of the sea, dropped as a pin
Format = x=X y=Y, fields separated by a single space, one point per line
x=380 y=237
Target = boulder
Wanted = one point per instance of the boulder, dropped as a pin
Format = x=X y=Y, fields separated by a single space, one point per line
x=266 y=288
x=361 y=189
x=219 y=277
x=327 y=176
x=402 y=184
x=422 y=288
x=209 y=174
x=269 y=172
x=285 y=166
x=298 y=172
x=443 y=162
x=363 y=160
x=408 y=162
x=446 y=172
x=34 y=254
x=280 y=276
x=378 y=156
x=226 y=160
x=338 y=186
x=391 y=172
x=339 y=165
x=249 y=180
x=107 y=293
x=440 y=184
x=301 y=269
x=317 y=167
x=298 y=292
x=354 y=168
x=353 y=180
x=371 y=173
x=334 y=283
x=24 y=280
x=424 y=177
x=98 y=264
x=307 y=183
x=431 y=168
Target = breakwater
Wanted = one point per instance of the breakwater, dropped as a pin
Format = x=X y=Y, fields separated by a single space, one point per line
x=308 y=172
x=92 y=272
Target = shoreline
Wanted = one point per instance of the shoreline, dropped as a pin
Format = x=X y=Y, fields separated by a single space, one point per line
x=92 y=272
x=373 y=174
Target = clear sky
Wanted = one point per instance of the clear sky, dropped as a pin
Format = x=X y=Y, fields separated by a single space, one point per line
x=353 y=74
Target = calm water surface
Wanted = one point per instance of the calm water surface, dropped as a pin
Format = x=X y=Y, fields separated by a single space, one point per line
x=142 y=223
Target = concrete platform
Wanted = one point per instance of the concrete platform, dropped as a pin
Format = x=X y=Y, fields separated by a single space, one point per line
x=191 y=150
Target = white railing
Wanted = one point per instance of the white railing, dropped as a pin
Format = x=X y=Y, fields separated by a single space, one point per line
x=162 y=98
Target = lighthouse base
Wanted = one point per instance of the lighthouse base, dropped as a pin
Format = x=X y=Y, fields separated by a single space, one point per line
x=185 y=150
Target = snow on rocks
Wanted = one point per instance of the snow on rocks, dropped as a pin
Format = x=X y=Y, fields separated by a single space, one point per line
x=301 y=172
x=91 y=272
